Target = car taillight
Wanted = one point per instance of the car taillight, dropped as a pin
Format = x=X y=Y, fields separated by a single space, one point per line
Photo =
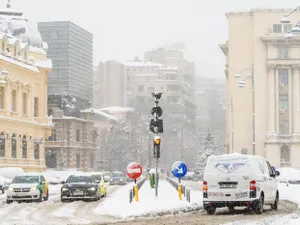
x=253 y=185
x=204 y=186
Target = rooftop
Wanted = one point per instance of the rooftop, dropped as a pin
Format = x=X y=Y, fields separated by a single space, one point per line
x=259 y=10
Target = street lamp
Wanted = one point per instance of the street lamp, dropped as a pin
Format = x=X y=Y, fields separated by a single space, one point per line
x=242 y=84
x=285 y=20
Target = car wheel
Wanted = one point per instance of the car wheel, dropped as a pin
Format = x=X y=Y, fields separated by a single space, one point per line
x=275 y=205
x=259 y=206
x=231 y=209
x=40 y=199
x=8 y=201
x=211 y=210
x=47 y=196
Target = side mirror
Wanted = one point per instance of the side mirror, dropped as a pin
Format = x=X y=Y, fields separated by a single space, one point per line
x=277 y=173
x=63 y=182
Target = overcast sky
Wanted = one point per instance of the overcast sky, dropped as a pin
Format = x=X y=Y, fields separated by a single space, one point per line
x=124 y=29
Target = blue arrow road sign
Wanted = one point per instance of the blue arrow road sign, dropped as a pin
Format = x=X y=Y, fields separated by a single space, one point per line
x=179 y=169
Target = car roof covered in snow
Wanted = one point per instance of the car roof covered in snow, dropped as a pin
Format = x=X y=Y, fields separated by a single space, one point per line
x=30 y=174
x=235 y=156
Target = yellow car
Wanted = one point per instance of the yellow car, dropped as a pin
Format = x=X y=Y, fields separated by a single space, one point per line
x=98 y=177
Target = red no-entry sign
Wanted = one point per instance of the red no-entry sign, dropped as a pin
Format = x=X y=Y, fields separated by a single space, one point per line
x=134 y=170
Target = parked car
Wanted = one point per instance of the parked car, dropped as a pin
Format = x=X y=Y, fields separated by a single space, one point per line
x=106 y=175
x=118 y=178
x=98 y=177
x=239 y=180
x=80 y=187
x=28 y=187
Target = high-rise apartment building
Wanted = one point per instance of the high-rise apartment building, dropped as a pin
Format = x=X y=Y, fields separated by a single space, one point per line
x=257 y=48
x=71 y=50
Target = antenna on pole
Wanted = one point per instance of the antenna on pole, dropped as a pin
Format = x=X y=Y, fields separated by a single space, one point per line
x=8 y=4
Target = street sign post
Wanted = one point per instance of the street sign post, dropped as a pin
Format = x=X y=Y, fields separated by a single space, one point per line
x=179 y=170
x=134 y=170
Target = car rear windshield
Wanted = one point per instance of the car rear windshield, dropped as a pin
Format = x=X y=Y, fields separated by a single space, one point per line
x=97 y=177
x=26 y=180
x=230 y=165
x=80 y=179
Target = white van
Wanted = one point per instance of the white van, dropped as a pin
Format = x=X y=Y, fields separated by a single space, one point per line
x=239 y=180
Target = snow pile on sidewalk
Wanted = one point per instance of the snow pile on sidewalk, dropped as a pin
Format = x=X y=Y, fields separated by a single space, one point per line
x=167 y=202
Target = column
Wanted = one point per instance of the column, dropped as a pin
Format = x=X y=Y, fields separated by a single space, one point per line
x=296 y=102
x=277 y=101
x=290 y=101
x=271 y=99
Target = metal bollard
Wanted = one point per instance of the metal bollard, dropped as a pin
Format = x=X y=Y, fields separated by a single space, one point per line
x=130 y=196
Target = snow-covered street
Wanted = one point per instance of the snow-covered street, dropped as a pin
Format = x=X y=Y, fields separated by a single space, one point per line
x=149 y=210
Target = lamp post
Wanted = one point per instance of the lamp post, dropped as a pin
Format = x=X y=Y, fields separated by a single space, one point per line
x=242 y=84
x=296 y=29
x=232 y=123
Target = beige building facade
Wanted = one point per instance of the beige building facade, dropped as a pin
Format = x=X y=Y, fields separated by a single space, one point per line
x=24 y=124
x=256 y=45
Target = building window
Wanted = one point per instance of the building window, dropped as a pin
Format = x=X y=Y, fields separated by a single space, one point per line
x=36 y=151
x=150 y=89
x=78 y=135
x=284 y=102
x=284 y=156
x=287 y=27
x=15 y=51
x=2 y=145
x=277 y=28
x=24 y=103
x=283 y=52
x=14 y=146
x=283 y=127
x=2 y=99
x=50 y=112
x=141 y=88
x=77 y=160
x=14 y=101
x=283 y=76
x=24 y=147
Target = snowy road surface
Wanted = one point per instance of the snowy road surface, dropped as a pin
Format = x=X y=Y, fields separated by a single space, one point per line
x=53 y=211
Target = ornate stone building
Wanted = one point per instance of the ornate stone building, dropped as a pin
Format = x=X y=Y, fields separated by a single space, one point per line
x=24 y=67
x=256 y=47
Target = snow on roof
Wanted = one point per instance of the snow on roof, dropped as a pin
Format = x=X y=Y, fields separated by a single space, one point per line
x=117 y=109
x=44 y=63
x=71 y=118
x=99 y=112
x=234 y=155
x=141 y=64
x=21 y=64
x=37 y=50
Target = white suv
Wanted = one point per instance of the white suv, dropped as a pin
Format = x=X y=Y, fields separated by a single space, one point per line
x=239 y=180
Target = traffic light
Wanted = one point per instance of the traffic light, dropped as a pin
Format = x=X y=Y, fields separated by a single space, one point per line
x=156 y=147
x=156 y=124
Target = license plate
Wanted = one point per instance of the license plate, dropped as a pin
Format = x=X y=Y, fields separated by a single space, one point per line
x=227 y=186
x=78 y=193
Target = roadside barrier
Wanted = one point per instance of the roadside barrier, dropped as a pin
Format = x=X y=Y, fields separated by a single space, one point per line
x=185 y=191
x=132 y=192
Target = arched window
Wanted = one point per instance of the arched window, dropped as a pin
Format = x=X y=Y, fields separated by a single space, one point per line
x=15 y=50
x=36 y=150
x=78 y=135
x=24 y=147
x=2 y=145
x=14 y=146
x=285 y=155
x=50 y=112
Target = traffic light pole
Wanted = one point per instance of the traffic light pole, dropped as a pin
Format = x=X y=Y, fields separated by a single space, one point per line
x=156 y=126
x=156 y=159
